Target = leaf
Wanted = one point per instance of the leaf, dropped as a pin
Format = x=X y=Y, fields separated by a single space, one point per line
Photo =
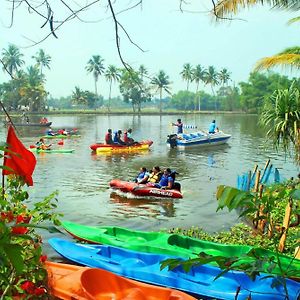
x=14 y=253
x=296 y=194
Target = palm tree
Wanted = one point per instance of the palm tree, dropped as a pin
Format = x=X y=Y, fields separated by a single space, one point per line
x=224 y=76
x=199 y=74
x=281 y=116
x=161 y=82
x=142 y=71
x=187 y=74
x=12 y=59
x=111 y=74
x=212 y=79
x=79 y=96
x=95 y=66
x=42 y=60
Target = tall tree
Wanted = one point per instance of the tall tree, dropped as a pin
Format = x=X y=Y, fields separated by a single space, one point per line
x=12 y=59
x=224 y=76
x=199 y=75
x=187 y=74
x=32 y=92
x=112 y=74
x=161 y=83
x=42 y=60
x=96 y=67
x=212 y=79
x=133 y=90
x=143 y=71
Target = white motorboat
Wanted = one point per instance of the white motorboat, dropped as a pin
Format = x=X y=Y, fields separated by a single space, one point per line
x=197 y=139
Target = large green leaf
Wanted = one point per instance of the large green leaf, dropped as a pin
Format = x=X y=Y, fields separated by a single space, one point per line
x=14 y=252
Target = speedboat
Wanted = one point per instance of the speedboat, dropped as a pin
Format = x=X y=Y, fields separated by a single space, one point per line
x=197 y=139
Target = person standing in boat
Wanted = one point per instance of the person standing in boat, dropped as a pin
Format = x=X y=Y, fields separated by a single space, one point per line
x=108 y=137
x=179 y=125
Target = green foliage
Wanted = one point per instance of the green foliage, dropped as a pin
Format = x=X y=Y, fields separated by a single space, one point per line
x=22 y=270
x=281 y=116
x=133 y=90
x=260 y=86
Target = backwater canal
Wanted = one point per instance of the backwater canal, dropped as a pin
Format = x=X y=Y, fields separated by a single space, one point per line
x=82 y=178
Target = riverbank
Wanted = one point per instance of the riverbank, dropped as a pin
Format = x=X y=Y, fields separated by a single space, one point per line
x=124 y=111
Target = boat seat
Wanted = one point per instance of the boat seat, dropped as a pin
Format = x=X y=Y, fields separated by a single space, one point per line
x=194 y=135
x=186 y=136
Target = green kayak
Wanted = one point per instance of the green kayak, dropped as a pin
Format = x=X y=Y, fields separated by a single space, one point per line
x=178 y=245
x=61 y=136
x=52 y=150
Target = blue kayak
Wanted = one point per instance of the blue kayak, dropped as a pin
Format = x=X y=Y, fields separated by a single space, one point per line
x=198 y=281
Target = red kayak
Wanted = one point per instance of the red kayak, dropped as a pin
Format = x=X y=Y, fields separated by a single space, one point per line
x=143 y=189
x=116 y=146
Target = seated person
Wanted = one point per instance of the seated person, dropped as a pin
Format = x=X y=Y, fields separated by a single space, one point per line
x=117 y=138
x=108 y=137
x=50 y=132
x=166 y=180
x=143 y=176
x=212 y=127
x=155 y=175
x=44 y=120
x=41 y=145
x=130 y=139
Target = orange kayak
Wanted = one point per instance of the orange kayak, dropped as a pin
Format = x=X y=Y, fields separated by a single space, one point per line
x=74 y=282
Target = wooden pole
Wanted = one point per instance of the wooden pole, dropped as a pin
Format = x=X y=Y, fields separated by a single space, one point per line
x=249 y=181
x=262 y=222
x=285 y=225
x=257 y=179
x=265 y=168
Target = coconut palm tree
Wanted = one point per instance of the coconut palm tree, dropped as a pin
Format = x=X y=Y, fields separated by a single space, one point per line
x=187 y=74
x=112 y=74
x=96 y=67
x=42 y=60
x=199 y=75
x=281 y=116
x=143 y=71
x=12 y=59
x=224 y=76
x=212 y=79
x=161 y=83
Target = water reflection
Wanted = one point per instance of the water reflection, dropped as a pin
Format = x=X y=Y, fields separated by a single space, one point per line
x=118 y=156
x=148 y=206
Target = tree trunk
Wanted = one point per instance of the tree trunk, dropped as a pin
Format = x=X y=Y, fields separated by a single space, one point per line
x=160 y=103
x=109 y=98
x=96 y=92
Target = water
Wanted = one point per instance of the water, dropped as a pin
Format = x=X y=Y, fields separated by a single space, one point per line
x=82 y=178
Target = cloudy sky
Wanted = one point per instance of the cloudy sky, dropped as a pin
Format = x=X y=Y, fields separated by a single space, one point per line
x=168 y=37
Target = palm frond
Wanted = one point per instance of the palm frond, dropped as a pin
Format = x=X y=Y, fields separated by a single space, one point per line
x=293 y=20
x=284 y=60
x=231 y=7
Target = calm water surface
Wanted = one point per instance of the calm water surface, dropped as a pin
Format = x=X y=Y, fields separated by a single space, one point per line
x=82 y=178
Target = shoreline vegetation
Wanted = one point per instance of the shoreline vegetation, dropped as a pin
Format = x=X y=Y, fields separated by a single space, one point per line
x=123 y=111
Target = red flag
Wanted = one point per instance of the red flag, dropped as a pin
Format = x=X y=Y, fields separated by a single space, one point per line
x=20 y=160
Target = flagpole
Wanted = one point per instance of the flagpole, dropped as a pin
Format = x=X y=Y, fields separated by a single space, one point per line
x=8 y=116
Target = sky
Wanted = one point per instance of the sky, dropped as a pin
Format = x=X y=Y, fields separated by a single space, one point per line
x=170 y=38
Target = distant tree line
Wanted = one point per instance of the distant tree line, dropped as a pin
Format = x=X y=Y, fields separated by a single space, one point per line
x=138 y=89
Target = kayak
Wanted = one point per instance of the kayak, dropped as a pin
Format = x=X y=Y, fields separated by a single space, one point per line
x=200 y=280
x=75 y=282
x=143 y=190
x=181 y=246
x=142 y=145
x=61 y=136
x=52 y=150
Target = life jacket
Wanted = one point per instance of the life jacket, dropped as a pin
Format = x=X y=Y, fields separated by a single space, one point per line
x=125 y=138
x=154 y=178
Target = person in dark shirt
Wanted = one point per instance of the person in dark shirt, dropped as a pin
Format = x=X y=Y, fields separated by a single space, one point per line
x=108 y=137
